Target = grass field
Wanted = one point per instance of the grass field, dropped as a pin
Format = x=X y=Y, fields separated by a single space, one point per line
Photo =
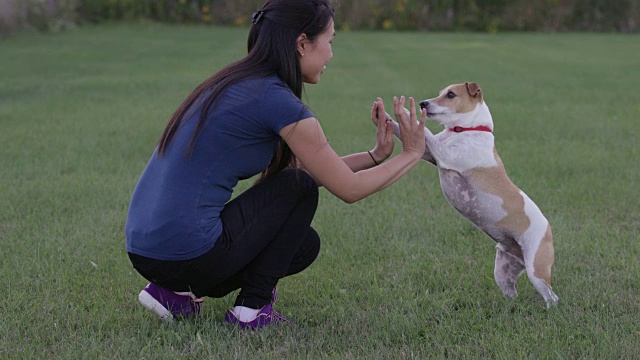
x=400 y=275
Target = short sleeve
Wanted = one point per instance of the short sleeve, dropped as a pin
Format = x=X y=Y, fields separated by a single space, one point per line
x=280 y=107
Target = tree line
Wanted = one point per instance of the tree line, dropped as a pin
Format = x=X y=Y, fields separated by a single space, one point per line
x=414 y=15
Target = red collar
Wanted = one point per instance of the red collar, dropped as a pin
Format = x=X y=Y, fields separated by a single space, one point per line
x=460 y=129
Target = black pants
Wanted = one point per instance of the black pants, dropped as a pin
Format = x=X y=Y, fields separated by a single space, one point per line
x=266 y=236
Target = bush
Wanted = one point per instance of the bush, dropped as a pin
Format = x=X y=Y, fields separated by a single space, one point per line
x=42 y=15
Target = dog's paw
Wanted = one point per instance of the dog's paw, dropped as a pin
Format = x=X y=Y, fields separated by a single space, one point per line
x=508 y=289
x=550 y=298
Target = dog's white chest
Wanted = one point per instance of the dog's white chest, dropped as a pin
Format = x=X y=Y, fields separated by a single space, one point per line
x=461 y=152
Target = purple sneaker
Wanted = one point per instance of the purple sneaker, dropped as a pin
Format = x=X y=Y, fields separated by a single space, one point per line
x=266 y=316
x=167 y=304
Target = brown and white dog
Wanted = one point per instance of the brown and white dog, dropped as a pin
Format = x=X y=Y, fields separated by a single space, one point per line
x=474 y=182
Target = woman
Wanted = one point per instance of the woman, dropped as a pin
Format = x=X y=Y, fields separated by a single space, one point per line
x=183 y=233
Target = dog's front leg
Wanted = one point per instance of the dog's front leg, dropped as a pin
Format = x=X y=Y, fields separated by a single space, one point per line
x=396 y=131
x=437 y=150
x=427 y=156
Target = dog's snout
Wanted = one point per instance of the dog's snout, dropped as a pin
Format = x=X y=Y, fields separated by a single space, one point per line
x=424 y=104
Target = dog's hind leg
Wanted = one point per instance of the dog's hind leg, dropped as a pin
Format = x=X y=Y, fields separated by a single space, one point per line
x=538 y=256
x=509 y=266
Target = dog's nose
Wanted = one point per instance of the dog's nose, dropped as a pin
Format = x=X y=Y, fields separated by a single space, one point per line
x=424 y=104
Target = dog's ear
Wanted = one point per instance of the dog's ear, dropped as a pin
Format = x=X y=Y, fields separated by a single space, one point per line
x=474 y=89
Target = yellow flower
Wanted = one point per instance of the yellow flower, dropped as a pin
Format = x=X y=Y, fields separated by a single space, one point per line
x=205 y=13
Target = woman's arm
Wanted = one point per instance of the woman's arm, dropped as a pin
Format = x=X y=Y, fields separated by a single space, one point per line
x=308 y=142
x=361 y=161
x=382 y=150
x=384 y=142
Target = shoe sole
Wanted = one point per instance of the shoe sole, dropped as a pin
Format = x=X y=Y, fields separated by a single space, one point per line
x=154 y=306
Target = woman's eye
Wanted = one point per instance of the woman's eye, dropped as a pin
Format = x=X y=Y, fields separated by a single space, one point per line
x=451 y=95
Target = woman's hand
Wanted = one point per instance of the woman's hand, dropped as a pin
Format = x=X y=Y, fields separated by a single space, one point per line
x=384 y=133
x=411 y=130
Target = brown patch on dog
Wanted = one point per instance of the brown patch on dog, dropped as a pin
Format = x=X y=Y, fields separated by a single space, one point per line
x=496 y=182
x=544 y=257
x=463 y=102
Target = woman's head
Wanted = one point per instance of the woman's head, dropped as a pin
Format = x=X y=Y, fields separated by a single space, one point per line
x=289 y=38
x=293 y=39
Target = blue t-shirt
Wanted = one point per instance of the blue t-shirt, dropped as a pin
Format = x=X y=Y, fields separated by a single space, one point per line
x=175 y=208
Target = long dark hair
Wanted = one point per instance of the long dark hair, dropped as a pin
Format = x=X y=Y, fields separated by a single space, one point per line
x=271 y=50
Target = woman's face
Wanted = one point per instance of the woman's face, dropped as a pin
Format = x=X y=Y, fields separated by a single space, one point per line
x=317 y=55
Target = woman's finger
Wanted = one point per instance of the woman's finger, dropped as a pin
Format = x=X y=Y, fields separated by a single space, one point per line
x=423 y=117
x=389 y=130
x=374 y=112
x=412 y=111
x=399 y=108
x=380 y=113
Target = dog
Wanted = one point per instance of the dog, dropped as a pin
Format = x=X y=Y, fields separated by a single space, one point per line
x=475 y=183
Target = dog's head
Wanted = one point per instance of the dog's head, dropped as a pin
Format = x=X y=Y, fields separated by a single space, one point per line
x=459 y=105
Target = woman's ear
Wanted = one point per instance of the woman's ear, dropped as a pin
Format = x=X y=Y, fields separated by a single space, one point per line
x=300 y=43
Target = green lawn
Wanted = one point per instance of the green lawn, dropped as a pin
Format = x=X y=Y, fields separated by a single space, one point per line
x=400 y=275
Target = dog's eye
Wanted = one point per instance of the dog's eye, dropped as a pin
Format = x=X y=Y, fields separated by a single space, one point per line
x=451 y=95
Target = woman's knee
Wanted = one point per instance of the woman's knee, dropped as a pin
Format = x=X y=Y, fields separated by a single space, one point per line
x=307 y=253
x=312 y=242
